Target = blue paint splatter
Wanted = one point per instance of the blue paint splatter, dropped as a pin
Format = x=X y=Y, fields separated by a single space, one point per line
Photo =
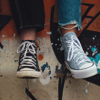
x=48 y=19
x=50 y=78
x=96 y=59
x=93 y=49
x=49 y=72
x=44 y=67
x=51 y=93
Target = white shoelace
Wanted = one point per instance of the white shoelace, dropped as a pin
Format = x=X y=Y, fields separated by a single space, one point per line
x=74 y=46
x=25 y=46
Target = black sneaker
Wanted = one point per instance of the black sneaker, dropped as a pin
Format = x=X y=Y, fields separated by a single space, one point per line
x=28 y=64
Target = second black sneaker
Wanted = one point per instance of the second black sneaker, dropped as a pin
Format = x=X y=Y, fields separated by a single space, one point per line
x=28 y=64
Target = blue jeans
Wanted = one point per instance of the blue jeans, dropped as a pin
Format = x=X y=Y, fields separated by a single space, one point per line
x=69 y=12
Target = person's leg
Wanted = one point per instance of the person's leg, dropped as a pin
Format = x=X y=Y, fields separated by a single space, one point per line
x=29 y=19
x=69 y=19
x=28 y=34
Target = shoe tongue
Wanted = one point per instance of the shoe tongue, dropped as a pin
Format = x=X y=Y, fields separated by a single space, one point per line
x=29 y=54
x=69 y=35
x=31 y=41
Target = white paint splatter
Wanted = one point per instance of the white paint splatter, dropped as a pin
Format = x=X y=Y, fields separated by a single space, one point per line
x=61 y=39
x=49 y=33
x=87 y=85
x=55 y=44
x=14 y=43
x=39 y=39
x=87 y=48
x=4 y=41
x=44 y=39
x=3 y=48
x=14 y=34
x=86 y=53
x=87 y=20
x=45 y=24
x=61 y=48
x=94 y=53
x=58 y=39
x=93 y=38
x=46 y=80
x=51 y=43
x=86 y=91
x=3 y=36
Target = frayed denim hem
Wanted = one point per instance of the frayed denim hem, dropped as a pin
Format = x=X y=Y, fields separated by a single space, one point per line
x=72 y=22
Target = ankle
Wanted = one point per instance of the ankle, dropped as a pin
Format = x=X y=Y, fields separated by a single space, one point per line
x=28 y=34
x=69 y=28
x=28 y=41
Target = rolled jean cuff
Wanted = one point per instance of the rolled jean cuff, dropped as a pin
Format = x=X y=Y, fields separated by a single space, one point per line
x=79 y=26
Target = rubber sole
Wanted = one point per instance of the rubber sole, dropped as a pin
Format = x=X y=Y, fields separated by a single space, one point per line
x=28 y=73
x=85 y=73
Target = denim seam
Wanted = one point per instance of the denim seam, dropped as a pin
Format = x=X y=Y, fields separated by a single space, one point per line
x=32 y=25
x=19 y=13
